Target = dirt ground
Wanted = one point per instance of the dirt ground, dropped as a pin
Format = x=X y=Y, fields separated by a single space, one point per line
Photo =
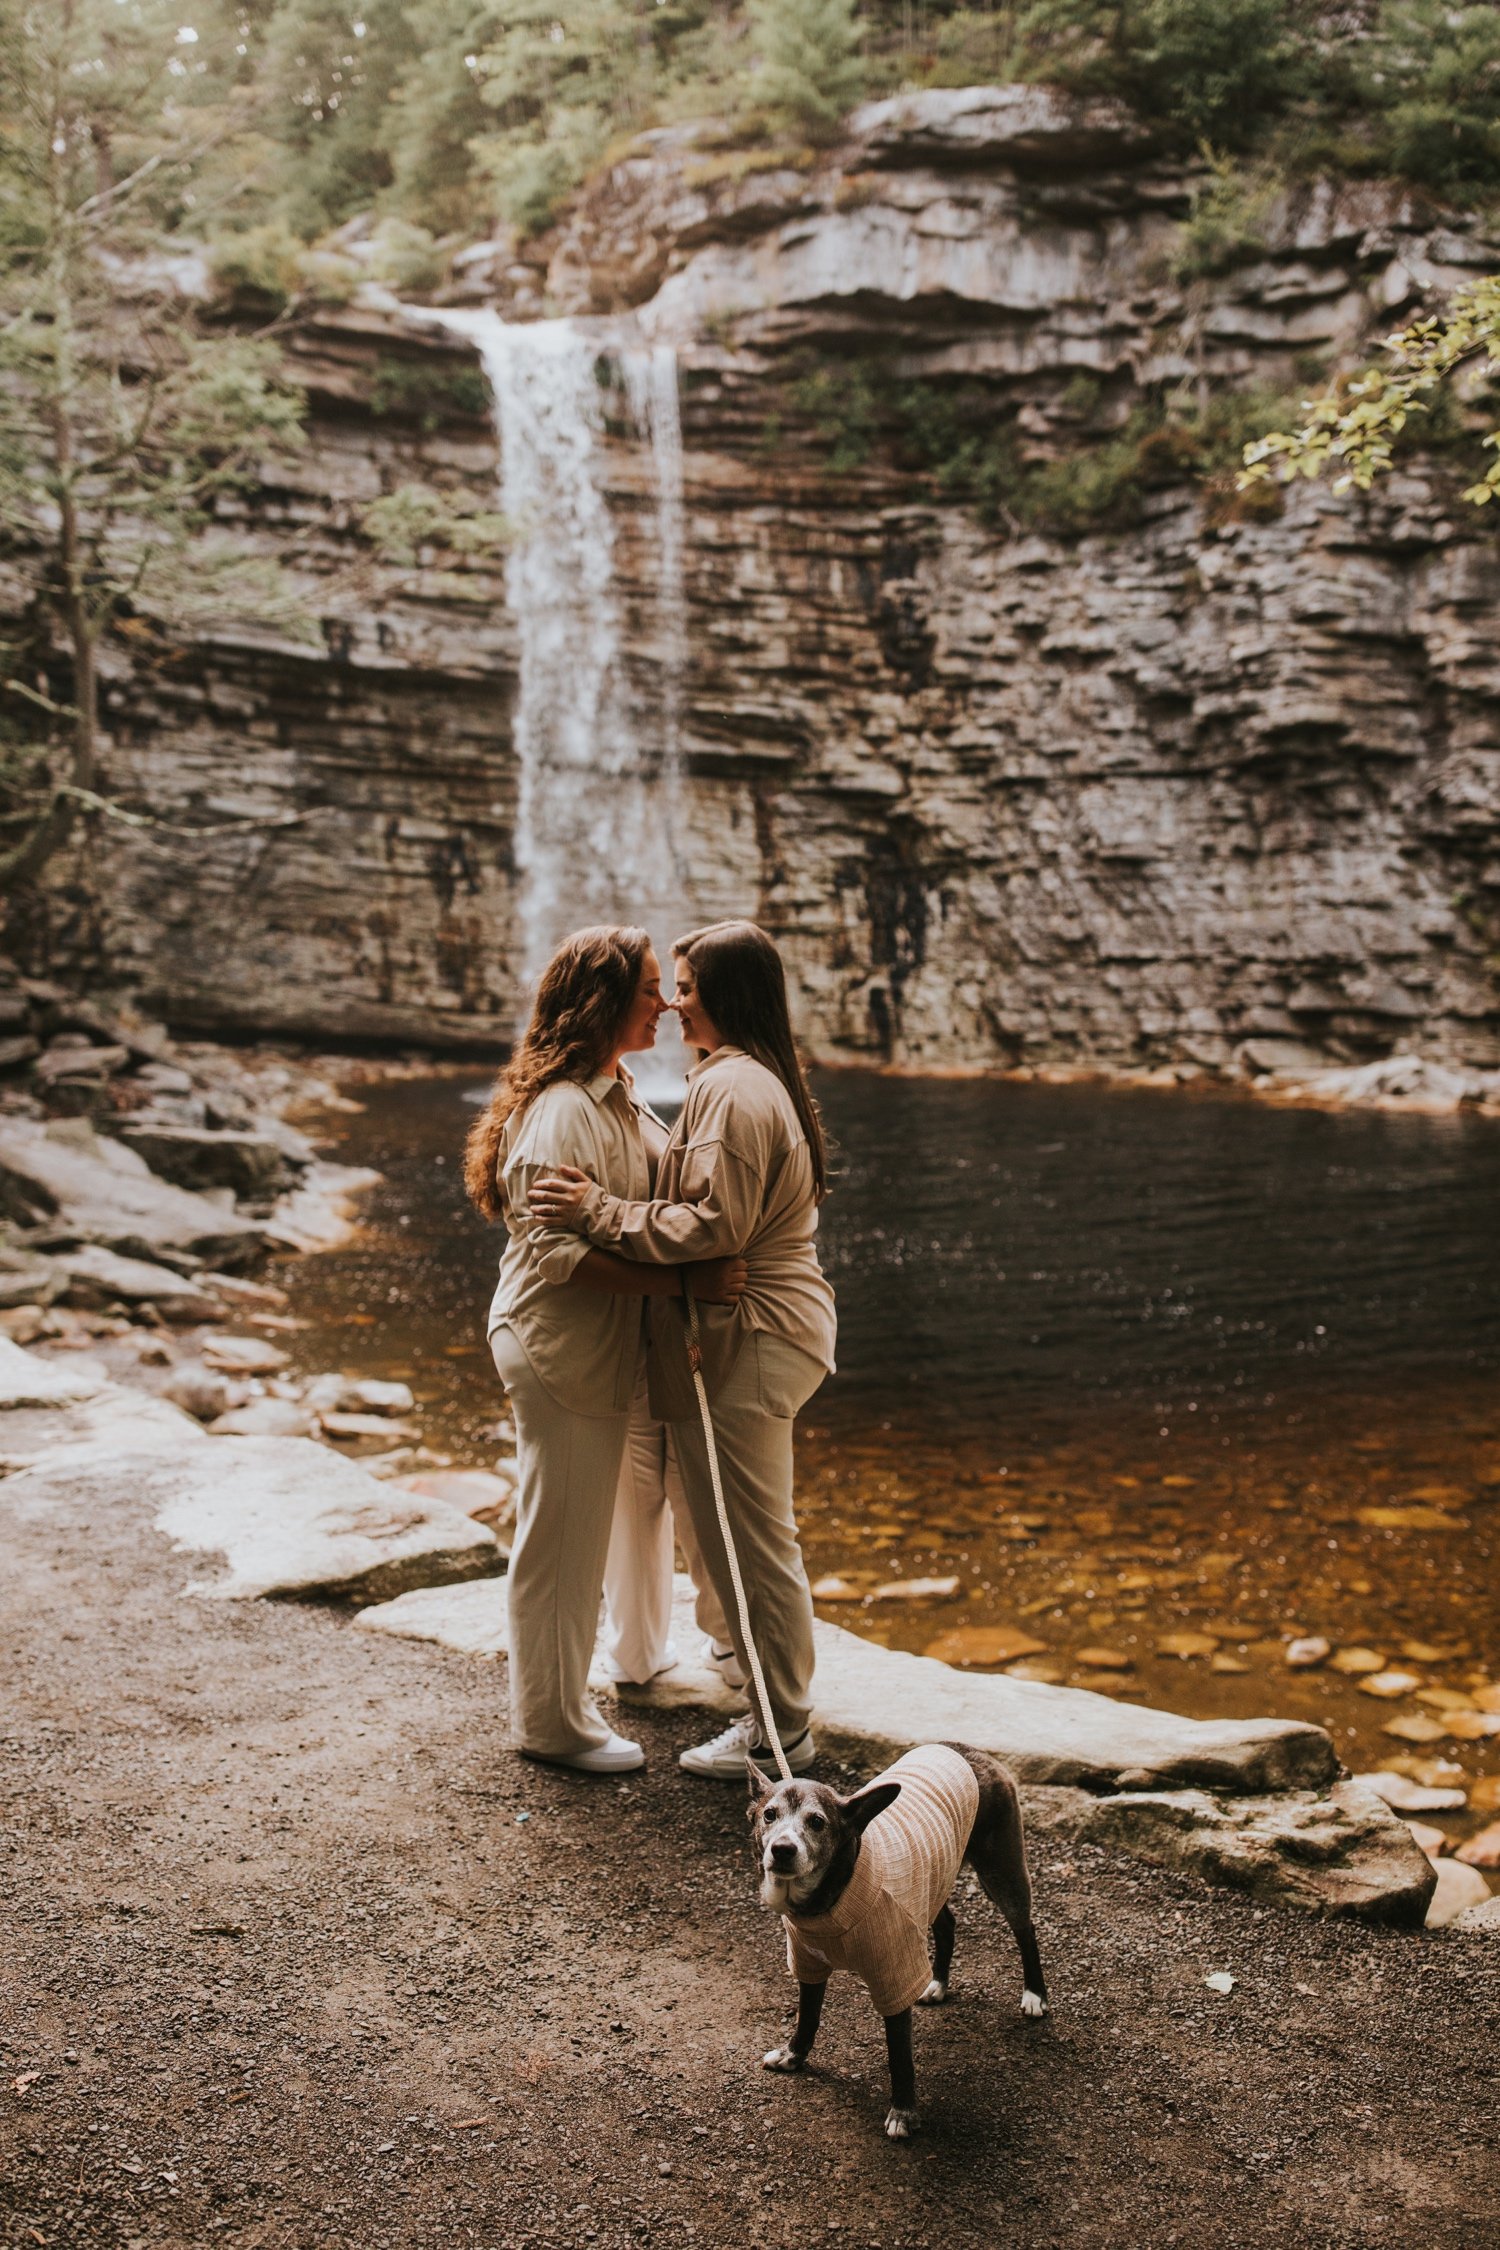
x=296 y=1952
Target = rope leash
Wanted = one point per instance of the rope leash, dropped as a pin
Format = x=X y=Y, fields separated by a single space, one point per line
x=695 y=1361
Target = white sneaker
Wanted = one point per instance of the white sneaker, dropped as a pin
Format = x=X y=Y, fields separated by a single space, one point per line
x=726 y=1664
x=613 y=1755
x=723 y=1759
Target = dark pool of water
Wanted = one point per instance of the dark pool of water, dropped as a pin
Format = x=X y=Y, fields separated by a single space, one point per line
x=1189 y=1338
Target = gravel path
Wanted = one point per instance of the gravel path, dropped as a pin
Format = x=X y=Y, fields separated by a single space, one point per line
x=295 y=1952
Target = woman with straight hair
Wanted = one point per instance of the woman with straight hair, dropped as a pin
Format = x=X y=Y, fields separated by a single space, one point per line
x=743 y=1174
x=566 y=1330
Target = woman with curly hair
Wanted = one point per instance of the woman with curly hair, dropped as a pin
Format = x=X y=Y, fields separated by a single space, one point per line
x=565 y=1327
x=743 y=1175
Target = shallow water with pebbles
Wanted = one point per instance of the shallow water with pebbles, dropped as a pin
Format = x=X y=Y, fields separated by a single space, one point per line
x=1135 y=1390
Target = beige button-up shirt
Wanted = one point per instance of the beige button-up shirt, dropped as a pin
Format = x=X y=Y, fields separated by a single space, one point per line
x=907 y=1861
x=735 y=1179
x=583 y=1344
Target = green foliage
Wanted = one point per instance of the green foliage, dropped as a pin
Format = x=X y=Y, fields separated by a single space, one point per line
x=416 y=521
x=1228 y=217
x=842 y=405
x=1432 y=75
x=810 y=71
x=263 y=262
x=1355 y=427
x=426 y=396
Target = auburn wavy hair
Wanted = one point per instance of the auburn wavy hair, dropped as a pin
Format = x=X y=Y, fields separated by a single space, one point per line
x=587 y=990
x=742 y=985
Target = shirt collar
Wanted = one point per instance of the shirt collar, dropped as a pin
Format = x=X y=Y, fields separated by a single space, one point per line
x=598 y=1087
x=720 y=1054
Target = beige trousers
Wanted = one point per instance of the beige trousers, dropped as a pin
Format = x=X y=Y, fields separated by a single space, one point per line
x=752 y=1417
x=649 y=1506
x=569 y=1468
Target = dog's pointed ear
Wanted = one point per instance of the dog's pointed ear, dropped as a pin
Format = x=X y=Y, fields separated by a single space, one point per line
x=860 y=1810
x=760 y=1788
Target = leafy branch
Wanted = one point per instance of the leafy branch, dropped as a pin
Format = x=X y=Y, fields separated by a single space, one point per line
x=1353 y=428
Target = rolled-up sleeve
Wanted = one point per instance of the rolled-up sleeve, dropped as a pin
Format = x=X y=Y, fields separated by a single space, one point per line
x=718 y=1202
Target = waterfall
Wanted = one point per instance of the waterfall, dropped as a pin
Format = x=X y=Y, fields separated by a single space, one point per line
x=596 y=822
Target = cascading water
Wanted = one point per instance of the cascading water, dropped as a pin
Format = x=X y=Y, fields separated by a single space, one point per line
x=596 y=820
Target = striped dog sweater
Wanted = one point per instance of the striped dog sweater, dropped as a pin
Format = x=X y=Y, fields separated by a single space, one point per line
x=908 y=1859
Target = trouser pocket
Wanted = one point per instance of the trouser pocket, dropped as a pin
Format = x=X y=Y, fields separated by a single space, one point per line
x=786 y=1376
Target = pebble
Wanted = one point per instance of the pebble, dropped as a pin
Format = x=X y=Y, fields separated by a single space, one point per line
x=1432 y=1773
x=1220 y=1981
x=1356 y=1660
x=983 y=1644
x=1487 y=1697
x=1485 y=1794
x=1187 y=1644
x=918 y=1590
x=1222 y=1663
x=1105 y=1659
x=1415 y=1726
x=1031 y=1668
x=1445 y=1698
x=1482 y=1850
x=835 y=1589
x=1417 y=1518
x=1310 y=1650
x=1388 y=1684
x=1472 y=1726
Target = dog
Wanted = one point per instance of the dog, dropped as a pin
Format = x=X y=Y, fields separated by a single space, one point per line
x=858 y=1884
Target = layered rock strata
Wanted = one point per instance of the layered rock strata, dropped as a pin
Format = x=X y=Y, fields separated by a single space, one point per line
x=1214 y=785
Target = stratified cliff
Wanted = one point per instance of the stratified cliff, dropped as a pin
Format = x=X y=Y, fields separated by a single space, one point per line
x=1090 y=763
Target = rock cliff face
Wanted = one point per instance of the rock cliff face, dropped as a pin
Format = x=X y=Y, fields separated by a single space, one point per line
x=1208 y=782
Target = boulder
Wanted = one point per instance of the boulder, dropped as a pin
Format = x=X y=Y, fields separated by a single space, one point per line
x=292 y=1519
x=98 y=1190
x=1337 y=1851
x=252 y=1164
x=1457 y=1891
x=1029 y=127
x=202 y=1391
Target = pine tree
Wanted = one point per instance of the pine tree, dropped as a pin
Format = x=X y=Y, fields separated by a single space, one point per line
x=811 y=72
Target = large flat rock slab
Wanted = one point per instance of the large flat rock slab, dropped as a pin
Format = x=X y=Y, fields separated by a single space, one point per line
x=292 y=1519
x=101 y=1191
x=872 y=1703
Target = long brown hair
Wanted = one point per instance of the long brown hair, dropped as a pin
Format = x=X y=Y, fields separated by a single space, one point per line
x=587 y=990
x=742 y=985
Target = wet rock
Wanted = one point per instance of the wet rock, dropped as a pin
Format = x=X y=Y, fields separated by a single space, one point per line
x=264 y=1417
x=1485 y=1794
x=1340 y=1852
x=243 y=1355
x=202 y=1391
x=1415 y=1726
x=366 y=1430
x=1472 y=1726
x=832 y=1588
x=290 y=1518
x=1408 y=1796
x=1417 y=1517
x=98 y=1276
x=1310 y=1650
x=1389 y=1685
x=1354 y=1661
x=99 y=1190
x=1482 y=1850
x=1458 y=1888
x=1187 y=1644
x=1487 y=1698
x=1105 y=1659
x=252 y=1165
x=334 y=1394
x=983 y=1644
x=919 y=1590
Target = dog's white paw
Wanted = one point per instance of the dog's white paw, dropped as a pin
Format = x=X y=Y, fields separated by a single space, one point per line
x=1032 y=2004
x=783 y=2058
x=900 y=2124
x=935 y=1994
